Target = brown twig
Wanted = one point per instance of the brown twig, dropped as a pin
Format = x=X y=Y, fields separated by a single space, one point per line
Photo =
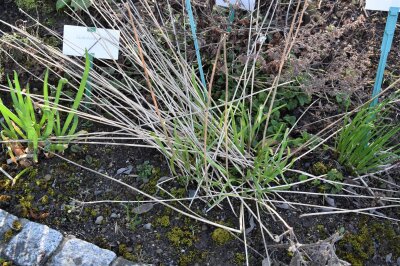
x=208 y=106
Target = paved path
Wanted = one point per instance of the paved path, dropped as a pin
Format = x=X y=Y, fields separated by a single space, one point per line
x=26 y=243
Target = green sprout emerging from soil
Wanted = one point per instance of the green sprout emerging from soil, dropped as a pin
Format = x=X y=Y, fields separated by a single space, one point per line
x=365 y=143
x=26 y=124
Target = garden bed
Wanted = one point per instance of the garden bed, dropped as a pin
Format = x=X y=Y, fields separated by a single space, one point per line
x=334 y=65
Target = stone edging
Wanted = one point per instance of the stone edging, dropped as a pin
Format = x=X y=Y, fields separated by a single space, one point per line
x=26 y=243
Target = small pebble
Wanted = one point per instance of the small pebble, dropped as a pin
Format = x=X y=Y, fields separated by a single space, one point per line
x=159 y=251
x=389 y=258
x=204 y=227
x=47 y=177
x=99 y=220
x=114 y=215
x=147 y=226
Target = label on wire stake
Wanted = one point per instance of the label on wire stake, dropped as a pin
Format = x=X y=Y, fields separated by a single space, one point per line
x=101 y=43
x=243 y=4
x=381 y=5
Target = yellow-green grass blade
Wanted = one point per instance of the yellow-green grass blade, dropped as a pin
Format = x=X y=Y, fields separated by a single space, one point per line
x=78 y=97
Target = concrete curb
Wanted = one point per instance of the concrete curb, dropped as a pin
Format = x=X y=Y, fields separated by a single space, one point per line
x=27 y=243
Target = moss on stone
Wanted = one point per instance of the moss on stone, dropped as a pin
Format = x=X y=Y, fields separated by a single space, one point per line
x=221 y=236
x=16 y=225
x=8 y=235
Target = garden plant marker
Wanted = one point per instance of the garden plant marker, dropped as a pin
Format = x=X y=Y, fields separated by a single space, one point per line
x=244 y=4
x=196 y=43
x=393 y=6
x=99 y=43
x=248 y=5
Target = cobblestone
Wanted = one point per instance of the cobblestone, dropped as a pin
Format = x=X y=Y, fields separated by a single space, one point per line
x=33 y=245
x=37 y=244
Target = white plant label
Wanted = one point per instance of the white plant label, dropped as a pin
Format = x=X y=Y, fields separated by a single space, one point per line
x=102 y=43
x=381 y=5
x=243 y=4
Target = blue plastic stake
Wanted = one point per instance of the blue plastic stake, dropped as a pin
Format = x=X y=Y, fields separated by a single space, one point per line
x=385 y=49
x=196 y=44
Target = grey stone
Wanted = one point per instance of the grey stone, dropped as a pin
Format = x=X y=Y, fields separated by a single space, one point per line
x=6 y=223
x=33 y=245
x=114 y=215
x=99 y=220
x=47 y=177
x=388 y=258
x=147 y=226
x=77 y=252
x=146 y=207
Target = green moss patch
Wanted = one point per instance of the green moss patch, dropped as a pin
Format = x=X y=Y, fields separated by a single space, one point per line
x=221 y=236
x=358 y=248
x=181 y=238
x=163 y=221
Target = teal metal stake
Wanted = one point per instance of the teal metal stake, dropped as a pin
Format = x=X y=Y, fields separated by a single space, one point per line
x=231 y=17
x=385 y=49
x=196 y=44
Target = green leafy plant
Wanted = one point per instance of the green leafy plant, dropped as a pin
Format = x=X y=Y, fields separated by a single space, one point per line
x=364 y=143
x=333 y=175
x=145 y=170
x=343 y=99
x=75 y=4
x=34 y=127
x=270 y=163
x=133 y=219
